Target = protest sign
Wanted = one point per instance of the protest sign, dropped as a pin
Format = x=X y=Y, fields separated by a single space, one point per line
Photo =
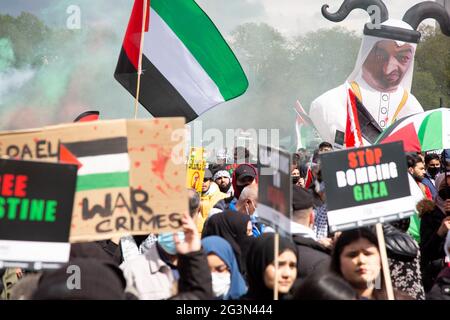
x=36 y=200
x=196 y=169
x=274 y=187
x=365 y=186
x=131 y=176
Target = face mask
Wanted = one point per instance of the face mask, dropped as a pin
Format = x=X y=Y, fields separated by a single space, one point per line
x=295 y=179
x=433 y=171
x=221 y=282
x=166 y=242
x=444 y=193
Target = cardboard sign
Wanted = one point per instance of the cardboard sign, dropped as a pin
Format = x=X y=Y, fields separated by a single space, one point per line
x=365 y=186
x=196 y=169
x=36 y=200
x=274 y=188
x=131 y=176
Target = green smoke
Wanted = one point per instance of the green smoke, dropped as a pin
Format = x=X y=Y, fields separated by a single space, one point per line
x=6 y=54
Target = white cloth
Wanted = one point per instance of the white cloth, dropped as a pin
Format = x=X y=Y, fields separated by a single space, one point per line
x=150 y=275
x=366 y=46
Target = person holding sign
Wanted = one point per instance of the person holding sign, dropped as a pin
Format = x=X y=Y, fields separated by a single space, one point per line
x=174 y=265
x=261 y=269
x=357 y=259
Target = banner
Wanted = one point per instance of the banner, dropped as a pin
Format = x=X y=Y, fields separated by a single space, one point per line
x=131 y=176
x=365 y=186
x=274 y=188
x=196 y=169
x=36 y=200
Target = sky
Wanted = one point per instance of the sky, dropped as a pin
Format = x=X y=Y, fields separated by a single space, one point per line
x=291 y=17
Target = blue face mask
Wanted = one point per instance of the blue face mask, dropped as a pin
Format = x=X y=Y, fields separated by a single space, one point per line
x=166 y=242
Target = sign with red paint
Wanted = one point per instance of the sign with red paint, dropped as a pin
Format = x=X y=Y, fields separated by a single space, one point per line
x=36 y=201
x=131 y=173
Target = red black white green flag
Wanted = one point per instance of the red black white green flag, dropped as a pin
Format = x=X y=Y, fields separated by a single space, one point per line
x=187 y=66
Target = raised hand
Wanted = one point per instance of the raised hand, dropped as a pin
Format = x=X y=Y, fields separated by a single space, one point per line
x=192 y=241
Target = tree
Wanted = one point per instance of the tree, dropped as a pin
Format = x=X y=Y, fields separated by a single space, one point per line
x=432 y=69
x=27 y=35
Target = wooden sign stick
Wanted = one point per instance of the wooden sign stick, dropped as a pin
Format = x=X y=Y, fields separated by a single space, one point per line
x=275 y=285
x=138 y=86
x=384 y=262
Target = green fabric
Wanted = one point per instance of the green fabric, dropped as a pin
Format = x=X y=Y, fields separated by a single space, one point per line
x=430 y=132
x=193 y=27
x=103 y=181
x=414 y=227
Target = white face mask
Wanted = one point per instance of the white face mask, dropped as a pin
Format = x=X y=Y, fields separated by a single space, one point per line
x=221 y=282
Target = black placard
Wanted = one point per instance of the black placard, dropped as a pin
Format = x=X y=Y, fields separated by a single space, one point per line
x=36 y=200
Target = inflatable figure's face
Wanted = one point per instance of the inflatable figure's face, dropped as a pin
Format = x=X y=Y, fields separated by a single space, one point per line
x=387 y=64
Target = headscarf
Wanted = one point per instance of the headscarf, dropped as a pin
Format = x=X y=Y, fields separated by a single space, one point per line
x=238 y=189
x=232 y=226
x=260 y=255
x=220 y=174
x=367 y=44
x=221 y=248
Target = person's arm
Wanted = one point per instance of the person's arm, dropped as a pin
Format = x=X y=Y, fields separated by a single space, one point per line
x=195 y=277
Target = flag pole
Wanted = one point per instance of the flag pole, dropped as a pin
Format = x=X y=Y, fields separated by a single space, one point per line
x=276 y=240
x=384 y=262
x=141 y=46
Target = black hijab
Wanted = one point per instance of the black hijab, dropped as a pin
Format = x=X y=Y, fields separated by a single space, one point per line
x=260 y=255
x=232 y=226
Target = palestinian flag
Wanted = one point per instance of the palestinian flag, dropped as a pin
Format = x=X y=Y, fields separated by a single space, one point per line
x=101 y=163
x=187 y=67
x=422 y=131
x=353 y=136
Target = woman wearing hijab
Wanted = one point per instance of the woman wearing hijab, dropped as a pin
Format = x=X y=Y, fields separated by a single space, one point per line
x=234 y=227
x=227 y=281
x=261 y=268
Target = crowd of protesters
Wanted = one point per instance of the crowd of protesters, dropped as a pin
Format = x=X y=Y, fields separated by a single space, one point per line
x=225 y=252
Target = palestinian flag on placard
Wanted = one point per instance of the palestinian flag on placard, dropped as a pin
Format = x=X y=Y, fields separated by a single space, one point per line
x=102 y=164
x=187 y=67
